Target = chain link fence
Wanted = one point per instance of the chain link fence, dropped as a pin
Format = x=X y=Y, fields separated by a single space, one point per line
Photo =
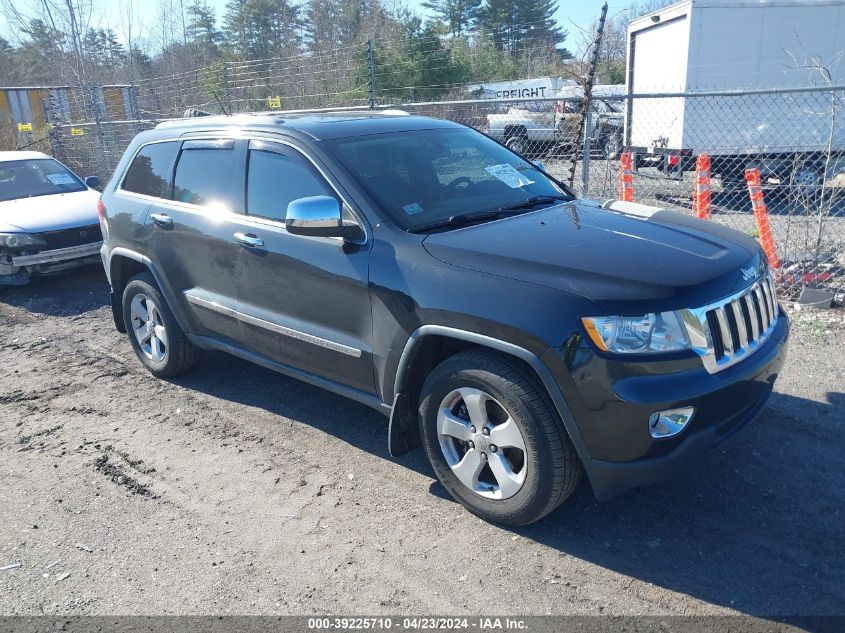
x=795 y=138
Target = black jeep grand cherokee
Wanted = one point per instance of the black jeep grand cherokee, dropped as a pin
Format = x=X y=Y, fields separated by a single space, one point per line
x=520 y=334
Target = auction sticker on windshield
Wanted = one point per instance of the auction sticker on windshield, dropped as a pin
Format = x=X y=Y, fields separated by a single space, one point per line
x=61 y=179
x=509 y=175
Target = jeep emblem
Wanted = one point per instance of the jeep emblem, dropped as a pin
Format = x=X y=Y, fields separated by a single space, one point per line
x=748 y=273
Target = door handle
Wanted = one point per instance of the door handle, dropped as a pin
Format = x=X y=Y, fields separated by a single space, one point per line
x=162 y=219
x=248 y=239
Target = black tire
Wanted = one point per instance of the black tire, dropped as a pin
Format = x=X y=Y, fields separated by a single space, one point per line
x=517 y=144
x=553 y=469
x=805 y=182
x=733 y=182
x=180 y=355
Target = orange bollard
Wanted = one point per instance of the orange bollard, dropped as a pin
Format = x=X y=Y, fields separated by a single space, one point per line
x=626 y=177
x=761 y=214
x=701 y=196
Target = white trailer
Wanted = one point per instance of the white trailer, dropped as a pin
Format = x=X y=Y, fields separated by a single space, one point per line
x=735 y=45
x=537 y=88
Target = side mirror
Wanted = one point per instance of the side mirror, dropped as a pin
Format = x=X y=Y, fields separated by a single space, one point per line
x=93 y=181
x=319 y=216
x=538 y=165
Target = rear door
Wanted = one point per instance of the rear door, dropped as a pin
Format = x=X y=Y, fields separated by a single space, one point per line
x=191 y=233
x=303 y=301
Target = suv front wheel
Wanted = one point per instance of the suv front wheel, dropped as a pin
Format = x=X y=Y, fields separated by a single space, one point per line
x=494 y=439
x=153 y=331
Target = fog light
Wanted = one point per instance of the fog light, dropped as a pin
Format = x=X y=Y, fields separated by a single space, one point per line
x=668 y=423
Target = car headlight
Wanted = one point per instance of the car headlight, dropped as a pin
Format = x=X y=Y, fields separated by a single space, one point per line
x=20 y=240
x=648 y=334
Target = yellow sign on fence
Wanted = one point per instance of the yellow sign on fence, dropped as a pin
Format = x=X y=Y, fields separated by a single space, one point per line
x=24 y=127
x=75 y=131
x=274 y=102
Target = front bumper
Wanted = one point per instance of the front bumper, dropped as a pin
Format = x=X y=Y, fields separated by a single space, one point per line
x=17 y=269
x=611 y=401
x=58 y=256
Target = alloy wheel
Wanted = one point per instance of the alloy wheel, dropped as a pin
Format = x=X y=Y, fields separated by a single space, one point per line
x=482 y=443
x=148 y=327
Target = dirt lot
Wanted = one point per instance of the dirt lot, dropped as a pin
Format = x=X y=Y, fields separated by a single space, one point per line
x=236 y=490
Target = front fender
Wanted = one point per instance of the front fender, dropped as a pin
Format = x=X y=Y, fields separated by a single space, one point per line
x=403 y=433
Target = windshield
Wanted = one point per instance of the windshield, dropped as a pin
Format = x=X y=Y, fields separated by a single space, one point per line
x=423 y=177
x=36 y=177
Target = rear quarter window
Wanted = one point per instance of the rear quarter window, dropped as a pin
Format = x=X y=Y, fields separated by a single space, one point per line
x=149 y=173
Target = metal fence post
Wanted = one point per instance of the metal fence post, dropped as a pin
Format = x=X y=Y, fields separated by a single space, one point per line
x=96 y=97
x=588 y=88
x=371 y=79
x=133 y=107
x=228 y=97
x=585 y=159
x=53 y=133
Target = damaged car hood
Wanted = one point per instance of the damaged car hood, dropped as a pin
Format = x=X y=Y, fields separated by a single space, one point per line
x=39 y=214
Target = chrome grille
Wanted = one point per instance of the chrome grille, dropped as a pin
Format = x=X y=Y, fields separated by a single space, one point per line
x=725 y=332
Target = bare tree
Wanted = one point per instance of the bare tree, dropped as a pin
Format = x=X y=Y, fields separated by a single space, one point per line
x=812 y=198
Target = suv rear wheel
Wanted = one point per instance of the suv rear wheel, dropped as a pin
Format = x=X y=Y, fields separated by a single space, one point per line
x=153 y=331
x=494 y=439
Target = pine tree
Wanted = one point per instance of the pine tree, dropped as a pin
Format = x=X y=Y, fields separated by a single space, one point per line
x=257 y=29
x=202 y=25
x=515 y=25
x=43 y=56
x=459 y=16
x=335 y=23
x=9 y=65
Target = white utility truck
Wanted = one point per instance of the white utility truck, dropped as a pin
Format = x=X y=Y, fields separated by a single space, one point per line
x=704 y=46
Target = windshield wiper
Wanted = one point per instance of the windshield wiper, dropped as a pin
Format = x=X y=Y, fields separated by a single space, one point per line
x=465 y=219
x=535 y=201
x=482 y=216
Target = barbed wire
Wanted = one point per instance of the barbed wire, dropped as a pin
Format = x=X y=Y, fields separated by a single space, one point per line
x=795 y=136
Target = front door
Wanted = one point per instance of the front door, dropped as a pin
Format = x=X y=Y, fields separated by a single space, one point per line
x=303 y=301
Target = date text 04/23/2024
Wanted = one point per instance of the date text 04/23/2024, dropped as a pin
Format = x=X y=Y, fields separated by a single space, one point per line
x=417 y=623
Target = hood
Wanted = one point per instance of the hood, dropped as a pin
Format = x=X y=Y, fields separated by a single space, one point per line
x=49 y=213
x=616 y=258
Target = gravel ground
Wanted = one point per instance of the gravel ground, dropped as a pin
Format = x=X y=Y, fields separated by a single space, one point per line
x=236 y=490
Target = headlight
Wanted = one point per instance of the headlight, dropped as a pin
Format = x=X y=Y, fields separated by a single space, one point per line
x=20 y=240
x=652 y=333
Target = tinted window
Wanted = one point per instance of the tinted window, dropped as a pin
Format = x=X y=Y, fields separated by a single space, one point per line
x=36 y=177
x=149 y=173
x=274 y=180
x=425 y=176
x=203 y=176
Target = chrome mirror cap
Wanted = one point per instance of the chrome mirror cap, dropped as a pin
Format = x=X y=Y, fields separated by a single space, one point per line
x=318 y=216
